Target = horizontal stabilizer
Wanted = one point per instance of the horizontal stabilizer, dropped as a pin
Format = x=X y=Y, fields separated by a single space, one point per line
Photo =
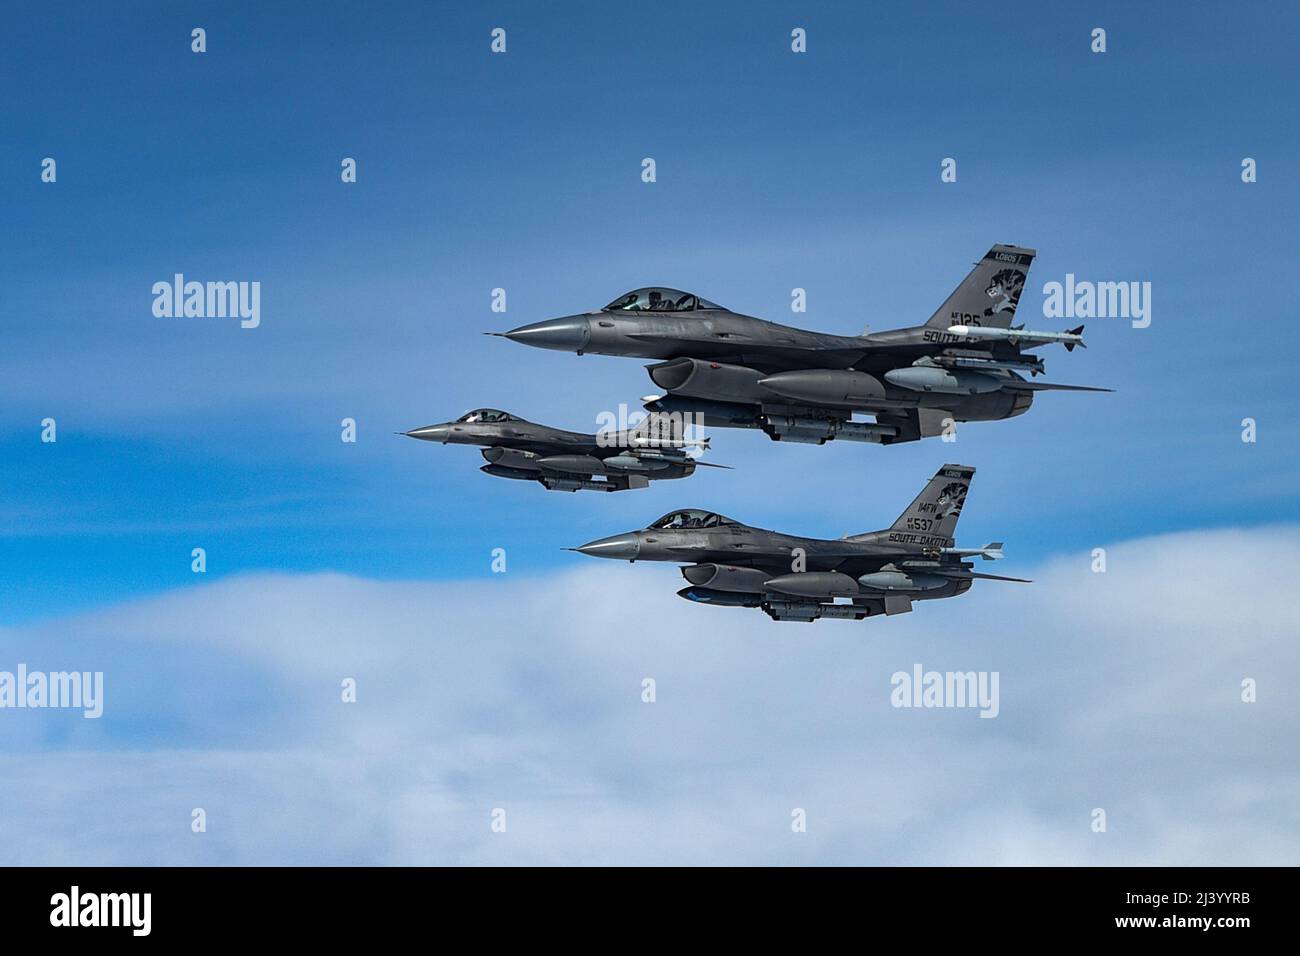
x=966 y=575
x=1023 y=386
x=999 y=577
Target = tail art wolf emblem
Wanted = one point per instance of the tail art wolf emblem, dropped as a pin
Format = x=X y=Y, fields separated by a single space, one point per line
x=952 y=498
x=1007 y=284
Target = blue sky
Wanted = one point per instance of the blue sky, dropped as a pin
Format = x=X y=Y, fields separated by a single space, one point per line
x=522 y=171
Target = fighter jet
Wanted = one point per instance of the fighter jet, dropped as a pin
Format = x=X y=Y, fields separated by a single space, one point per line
x=966 y=364
x=802 y=579
x=571 y=461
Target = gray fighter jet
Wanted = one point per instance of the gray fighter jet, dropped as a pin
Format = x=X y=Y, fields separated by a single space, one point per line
x=571 y=461
x=967 y=363
x=800 y=579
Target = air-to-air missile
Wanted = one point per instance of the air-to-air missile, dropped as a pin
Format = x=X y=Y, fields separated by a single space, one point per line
x=793 y=578
x=1070 y=339
x=731 y=370
x=559 y=460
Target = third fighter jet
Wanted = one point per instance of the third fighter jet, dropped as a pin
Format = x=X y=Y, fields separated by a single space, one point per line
x=794 y=578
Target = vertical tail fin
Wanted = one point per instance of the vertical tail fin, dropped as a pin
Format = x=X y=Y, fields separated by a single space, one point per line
x=658 y=430
x=936 y=509
x=989 y=294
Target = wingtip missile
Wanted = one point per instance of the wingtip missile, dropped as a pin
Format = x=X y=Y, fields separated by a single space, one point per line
x=990 y=552
x=1069 y=339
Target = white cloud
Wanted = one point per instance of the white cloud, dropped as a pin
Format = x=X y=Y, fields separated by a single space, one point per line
x=1119 y=691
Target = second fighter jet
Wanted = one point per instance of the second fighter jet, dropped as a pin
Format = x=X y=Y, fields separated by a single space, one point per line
x=562 y=460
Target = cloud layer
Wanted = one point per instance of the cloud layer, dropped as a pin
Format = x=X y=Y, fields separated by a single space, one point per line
x=1119 y=690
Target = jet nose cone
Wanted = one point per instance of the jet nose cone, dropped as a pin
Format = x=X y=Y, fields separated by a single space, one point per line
x=430 y=433
x=569 y=334
x=623 y=547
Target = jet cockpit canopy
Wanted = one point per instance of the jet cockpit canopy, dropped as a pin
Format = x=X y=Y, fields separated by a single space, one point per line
x=691 y=518
x=487 y=415
x=659 y=300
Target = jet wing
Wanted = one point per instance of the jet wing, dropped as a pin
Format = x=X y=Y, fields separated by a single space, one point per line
x=777 y=560
x=858 y=564
x=763 y=355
